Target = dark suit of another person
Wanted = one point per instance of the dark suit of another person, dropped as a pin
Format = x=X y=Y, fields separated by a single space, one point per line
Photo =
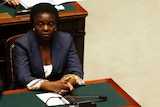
x=1 y=85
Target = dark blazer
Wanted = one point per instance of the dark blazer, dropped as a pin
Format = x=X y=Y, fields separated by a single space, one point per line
x=28 y=63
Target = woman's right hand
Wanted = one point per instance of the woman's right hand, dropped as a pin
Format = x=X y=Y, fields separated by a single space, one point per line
x=59 y=86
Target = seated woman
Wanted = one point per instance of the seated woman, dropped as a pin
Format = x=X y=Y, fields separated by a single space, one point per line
x=44 y=58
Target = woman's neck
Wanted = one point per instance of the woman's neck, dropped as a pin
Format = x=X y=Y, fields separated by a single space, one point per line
x=44 y=43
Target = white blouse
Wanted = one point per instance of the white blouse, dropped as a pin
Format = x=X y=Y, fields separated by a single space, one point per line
x=47 y=69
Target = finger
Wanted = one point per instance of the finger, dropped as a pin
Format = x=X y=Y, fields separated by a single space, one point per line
x=64 y=82
x=14 y=2
x=66 y=79
x=65 y=86
x=70 y=86
x=9 y=2
x=63 y=91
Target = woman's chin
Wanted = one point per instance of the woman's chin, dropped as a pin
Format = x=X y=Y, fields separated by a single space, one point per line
x=46 y=37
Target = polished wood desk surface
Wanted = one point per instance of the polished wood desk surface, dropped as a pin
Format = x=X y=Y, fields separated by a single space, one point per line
x=78 y=12
x=111 y=82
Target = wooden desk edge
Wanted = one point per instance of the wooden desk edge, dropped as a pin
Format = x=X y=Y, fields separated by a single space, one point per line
x=80 y=11
x=15 y=91
x=118 y=89
x=112 y=83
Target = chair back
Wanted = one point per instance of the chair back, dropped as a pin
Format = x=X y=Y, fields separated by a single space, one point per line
x=9 y=45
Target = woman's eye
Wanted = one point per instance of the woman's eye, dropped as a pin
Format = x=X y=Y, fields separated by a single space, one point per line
x=51 y=24
x=40 y=24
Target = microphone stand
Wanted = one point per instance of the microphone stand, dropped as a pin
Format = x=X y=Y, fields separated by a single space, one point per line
x=77 y=97
x=83 y=103
x=75 y=104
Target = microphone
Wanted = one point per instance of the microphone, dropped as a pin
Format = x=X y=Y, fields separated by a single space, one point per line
x=102 y=97
x=78 y=97
x=84 y=103
x=79 y=103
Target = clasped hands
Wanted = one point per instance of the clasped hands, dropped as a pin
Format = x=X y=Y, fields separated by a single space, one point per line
x=62 y=86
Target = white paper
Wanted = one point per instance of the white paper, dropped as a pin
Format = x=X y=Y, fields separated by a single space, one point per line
x=59 y=7
x=58 y=2
x=51 y=99
x=29 y=3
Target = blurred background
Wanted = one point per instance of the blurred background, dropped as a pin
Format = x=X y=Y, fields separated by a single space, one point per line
x=122 y=42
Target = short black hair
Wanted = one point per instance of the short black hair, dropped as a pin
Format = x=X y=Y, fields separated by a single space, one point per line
x=43 y=8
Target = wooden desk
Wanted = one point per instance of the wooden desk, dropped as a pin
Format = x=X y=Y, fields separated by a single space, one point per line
x=70 y=21
x=112 y=83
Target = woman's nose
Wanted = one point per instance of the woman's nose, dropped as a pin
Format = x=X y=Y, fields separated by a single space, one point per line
x=45 y=27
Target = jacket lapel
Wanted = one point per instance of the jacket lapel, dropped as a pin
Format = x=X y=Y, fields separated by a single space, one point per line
x=56 y=51
x=36 y=58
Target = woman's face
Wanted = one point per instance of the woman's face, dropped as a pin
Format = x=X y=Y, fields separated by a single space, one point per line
x=45 y=24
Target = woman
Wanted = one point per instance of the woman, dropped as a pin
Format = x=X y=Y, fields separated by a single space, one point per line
x=44 y=58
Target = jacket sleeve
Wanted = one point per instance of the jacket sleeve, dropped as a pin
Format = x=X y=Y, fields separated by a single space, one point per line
x=73 y=64
x=21 y=64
